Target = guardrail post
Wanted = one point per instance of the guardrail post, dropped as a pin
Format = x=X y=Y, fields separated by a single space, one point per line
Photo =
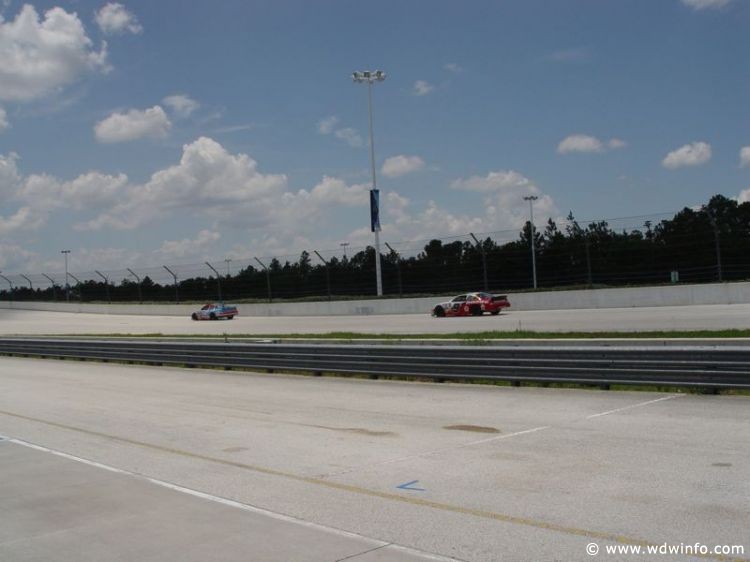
x=268 y=278
x=328 y=275
x=140 y=294
x=176 y=285
x=106 y=284
x=218 y=278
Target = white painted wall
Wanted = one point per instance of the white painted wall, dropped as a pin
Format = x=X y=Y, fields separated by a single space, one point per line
x=669 y=295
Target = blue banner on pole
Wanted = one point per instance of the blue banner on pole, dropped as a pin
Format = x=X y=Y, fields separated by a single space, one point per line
x=375 y=210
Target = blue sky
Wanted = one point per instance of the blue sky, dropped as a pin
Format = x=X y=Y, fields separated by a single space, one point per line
x=143 y=133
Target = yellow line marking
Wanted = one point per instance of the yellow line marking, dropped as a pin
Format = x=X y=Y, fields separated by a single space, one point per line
x=504 y=518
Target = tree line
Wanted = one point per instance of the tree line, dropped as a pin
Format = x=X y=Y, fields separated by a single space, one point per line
x=710 y=243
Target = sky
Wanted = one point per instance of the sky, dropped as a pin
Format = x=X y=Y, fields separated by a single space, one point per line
x=146 y=133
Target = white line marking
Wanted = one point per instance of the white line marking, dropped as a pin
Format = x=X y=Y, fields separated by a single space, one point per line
x=235 y=504
x=436 y=451
x=634 y=406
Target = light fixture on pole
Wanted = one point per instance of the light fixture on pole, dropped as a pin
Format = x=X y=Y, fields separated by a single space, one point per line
x=369 y=77
x=531 y=199
x=344 y=245
x=67 y=285
x=228 y=261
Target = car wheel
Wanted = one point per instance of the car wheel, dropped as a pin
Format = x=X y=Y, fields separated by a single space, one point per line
x=439 y=312
x=194 y=316
x=476 y=311
x=230 y=317
x=212 y=316
x=495 y=312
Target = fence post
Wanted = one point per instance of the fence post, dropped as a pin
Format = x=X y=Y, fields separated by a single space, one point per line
x=140 y=294
x=218 y=279
x=589 y=277
x=54 y=288
x=176 y=286
x=484 y=260
x=106 y=284
x=80 y=288
x=328 y=275
x=10 y=298
x=712 y=218
x=268 y=278
x=398 y=269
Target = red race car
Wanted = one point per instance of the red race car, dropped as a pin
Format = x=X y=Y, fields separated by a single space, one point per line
x=471 y=304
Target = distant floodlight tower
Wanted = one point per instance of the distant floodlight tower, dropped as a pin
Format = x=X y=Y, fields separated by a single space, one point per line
x=369 y=77
x=531 y=199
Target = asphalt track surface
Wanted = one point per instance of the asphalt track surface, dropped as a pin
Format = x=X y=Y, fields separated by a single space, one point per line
x=227 y=466
x=667 y=318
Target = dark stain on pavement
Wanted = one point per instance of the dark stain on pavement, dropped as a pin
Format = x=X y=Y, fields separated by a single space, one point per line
x=474 y=428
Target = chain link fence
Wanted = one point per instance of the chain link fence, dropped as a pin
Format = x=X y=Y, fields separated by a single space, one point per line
x=652 y=249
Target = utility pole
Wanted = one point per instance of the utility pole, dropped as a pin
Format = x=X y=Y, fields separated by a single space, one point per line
x=228 y=261
x=344 y=245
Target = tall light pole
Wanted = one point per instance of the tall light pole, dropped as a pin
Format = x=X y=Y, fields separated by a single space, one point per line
x=369 y=77
x=67 y=285
x=344 y=245
x=228 y=261
x=531 y=199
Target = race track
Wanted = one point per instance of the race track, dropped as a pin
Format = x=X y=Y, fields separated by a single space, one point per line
x=667 y=318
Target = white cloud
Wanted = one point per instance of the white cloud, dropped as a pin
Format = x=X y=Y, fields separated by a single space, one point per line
x=349 y=135
x=335 y=191
x=10 y=179
x=744 y=196
x=208 y=181
x=113 y=19
x=181 y=104
x=745 y=157
x=3 y=120
x=453 y=67
x=401 y=165
x=187 y=247
x=504 y=180
x=134 y=124
x=38 y=57
x=705 y=4
x=693 y=154
x=422 y=88
x=587 y=143
x=92 y=190
x=327 y=124
x=580 y=143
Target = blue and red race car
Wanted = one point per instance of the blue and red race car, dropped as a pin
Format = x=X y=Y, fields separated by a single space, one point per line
x=214 y=311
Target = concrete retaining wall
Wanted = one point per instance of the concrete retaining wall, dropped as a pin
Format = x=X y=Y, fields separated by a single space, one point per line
x=672 y=295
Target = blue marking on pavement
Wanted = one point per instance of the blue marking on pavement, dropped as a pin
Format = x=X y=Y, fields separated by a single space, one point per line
x=408 y=486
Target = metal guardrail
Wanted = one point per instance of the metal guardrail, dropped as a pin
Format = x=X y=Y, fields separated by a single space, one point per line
x=709 y=366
